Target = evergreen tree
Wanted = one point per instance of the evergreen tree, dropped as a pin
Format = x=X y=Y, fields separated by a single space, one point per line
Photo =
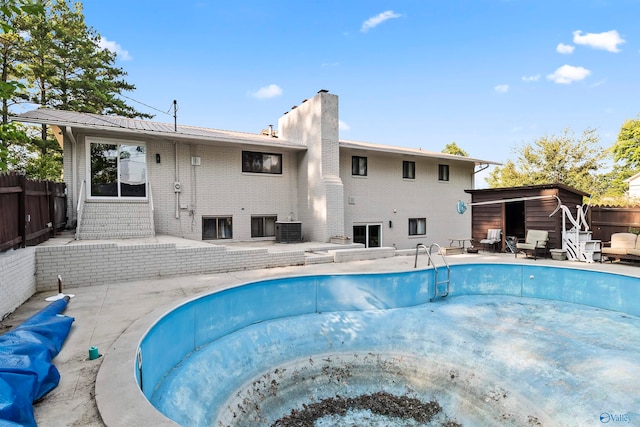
x=58 y=63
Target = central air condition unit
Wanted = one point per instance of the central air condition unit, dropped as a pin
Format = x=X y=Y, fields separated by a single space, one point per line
x=288 y=231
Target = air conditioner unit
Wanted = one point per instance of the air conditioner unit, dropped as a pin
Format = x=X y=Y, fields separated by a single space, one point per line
x=288 y=231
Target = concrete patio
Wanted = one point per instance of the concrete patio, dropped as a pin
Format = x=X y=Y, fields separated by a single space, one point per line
x=103 y=313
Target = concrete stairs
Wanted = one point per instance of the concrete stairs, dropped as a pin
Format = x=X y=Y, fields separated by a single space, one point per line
x=102 y=220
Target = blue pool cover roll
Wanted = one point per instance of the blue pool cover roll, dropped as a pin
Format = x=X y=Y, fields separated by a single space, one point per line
x=26 y=371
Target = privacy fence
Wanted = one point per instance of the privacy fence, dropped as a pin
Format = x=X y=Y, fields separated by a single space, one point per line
x=606 y=220
x=31 y=211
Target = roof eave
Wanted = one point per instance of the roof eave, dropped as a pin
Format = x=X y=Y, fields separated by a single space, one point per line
x=172 y=136
x=414 y=152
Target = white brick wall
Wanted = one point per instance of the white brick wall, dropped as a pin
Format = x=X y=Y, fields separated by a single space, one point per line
x=217 y=187
x=320 y=190
x=383 y=196
x=96 y=264
x=314 y=187
x=17 y=279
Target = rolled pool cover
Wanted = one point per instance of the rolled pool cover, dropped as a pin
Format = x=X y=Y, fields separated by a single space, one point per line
x=26 y=369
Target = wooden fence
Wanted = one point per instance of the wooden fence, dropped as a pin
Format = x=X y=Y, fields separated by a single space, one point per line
x=30 y=211
x=606 y=220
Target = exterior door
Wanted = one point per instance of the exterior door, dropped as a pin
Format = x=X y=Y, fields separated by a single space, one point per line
x=368 y=235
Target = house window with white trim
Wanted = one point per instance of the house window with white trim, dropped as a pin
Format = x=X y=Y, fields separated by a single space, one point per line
x=117 y=168
x=263 y=226
x=408 y=170
x=443 y=172
x=417 y=226
x=358 y=166
x=217 y=227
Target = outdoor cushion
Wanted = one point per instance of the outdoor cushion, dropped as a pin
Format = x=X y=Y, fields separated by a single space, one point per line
x=615 y=251
x=623 y=240
x=635 y=252
x=493 y=236
x=535 y=239
x=621 y=244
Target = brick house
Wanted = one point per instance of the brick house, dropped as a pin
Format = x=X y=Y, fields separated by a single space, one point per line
x=131 y=178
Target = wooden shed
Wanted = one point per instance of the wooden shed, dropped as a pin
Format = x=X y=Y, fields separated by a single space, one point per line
x=524 y=212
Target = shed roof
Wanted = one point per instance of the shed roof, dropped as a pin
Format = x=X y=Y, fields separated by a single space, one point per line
x=528 y=188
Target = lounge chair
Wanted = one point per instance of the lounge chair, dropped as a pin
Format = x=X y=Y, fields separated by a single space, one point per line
x=494 y=236
x=536 y=241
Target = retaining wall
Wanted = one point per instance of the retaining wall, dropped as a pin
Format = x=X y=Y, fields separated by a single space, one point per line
x=89 y=265
x=17 y=279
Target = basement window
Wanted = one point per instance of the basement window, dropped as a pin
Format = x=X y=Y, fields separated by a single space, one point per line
x=219 y=227
x=263 y=226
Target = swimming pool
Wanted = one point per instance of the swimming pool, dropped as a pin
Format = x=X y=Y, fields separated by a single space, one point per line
x=508 y=344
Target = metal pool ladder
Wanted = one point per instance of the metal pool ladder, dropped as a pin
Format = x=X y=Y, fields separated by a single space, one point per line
x=447 y=280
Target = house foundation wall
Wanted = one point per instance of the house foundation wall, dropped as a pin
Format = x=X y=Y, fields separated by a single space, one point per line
x=17 y=279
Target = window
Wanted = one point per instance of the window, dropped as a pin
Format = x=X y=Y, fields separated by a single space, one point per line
x=263 y=226
x=408 y=170
x=359 y=166
x=261 y=162
x=417 y=226
x=443 y=172
x=216 y=228
x=117 y=170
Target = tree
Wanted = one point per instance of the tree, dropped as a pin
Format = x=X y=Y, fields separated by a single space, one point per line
x=452 y=148
x=627 y=147
x=60 y=64
x=561 y=159
x=10 y=10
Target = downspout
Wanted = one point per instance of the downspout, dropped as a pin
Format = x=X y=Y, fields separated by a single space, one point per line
x=175 y=145
x=74 y=161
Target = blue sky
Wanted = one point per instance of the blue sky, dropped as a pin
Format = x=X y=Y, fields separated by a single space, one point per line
x=490 y=75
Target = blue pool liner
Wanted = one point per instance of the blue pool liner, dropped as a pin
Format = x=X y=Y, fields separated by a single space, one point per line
x=26 y=369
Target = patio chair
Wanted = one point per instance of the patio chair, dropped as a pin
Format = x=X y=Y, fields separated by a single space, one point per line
x=494 y=236
x=536 y=241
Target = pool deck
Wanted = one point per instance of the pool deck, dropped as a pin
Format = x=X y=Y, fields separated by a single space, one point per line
x=105 y=313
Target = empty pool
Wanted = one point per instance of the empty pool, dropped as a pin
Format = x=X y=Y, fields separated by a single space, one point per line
x=511 y=344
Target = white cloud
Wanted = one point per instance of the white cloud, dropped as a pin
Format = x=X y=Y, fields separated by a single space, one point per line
x=343 y=126
x=608 y=41
x=379 y=19
x=531 y=78
x=564 y=48
x=501 y=88
x=266 y=92
x=115 y=48
x=568 y=74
